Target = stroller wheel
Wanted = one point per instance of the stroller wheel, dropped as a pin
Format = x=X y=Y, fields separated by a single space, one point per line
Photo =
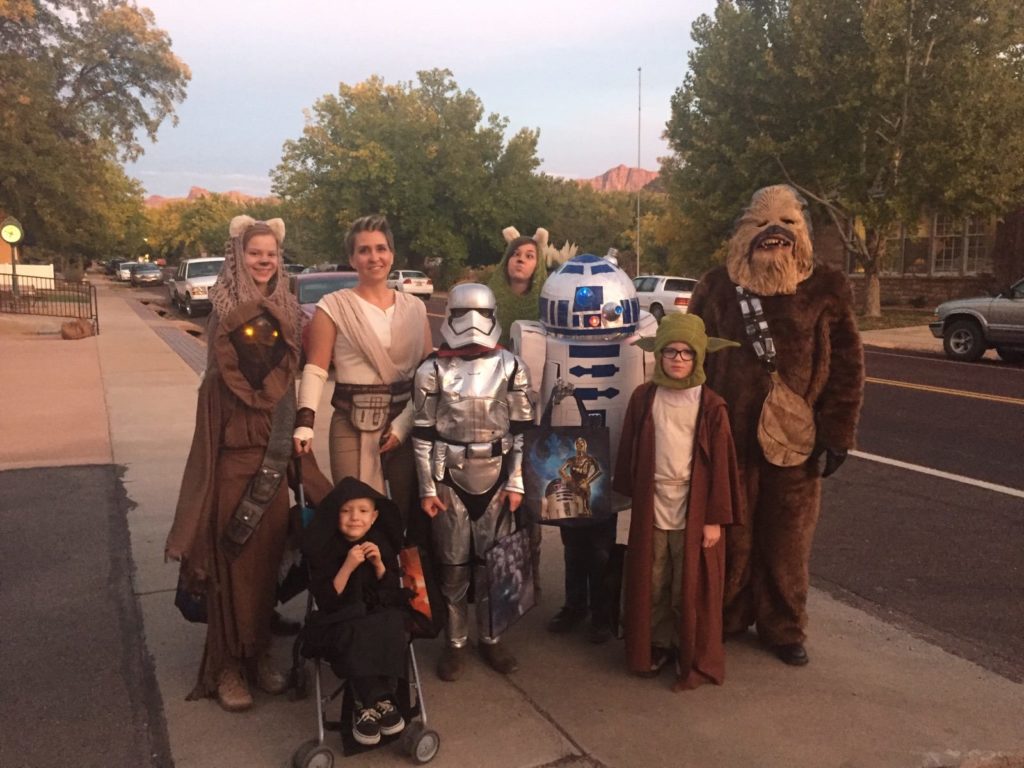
x=313 y=754
x=421 y=744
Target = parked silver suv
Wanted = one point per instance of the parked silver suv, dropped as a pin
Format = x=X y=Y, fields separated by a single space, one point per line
x=968 y=327
x=663 y=294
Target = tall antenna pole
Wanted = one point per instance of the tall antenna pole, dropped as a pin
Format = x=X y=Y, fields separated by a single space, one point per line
x=639 y=76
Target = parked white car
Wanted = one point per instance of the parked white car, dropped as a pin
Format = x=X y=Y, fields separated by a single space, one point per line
x=189 y=289
x=411 y=281
x=124 y=270
x=663 y=294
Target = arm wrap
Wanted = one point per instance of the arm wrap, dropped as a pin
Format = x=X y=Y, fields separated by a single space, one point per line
x=311 y=386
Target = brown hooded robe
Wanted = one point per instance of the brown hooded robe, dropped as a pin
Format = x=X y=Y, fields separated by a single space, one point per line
x=233 y=424
x=714 y=499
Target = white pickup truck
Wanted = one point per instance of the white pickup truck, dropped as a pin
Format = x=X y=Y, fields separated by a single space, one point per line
x=189 y=289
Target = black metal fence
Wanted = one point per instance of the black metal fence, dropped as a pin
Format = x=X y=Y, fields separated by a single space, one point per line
x=28 y=295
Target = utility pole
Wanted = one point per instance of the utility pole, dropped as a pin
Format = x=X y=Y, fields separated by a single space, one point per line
x=639 y=76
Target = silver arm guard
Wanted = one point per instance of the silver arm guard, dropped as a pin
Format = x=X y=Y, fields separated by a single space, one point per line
x=424 y=453
x=521 y=408
x=424 y=400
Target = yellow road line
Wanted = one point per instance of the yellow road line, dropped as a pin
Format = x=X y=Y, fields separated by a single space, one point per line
x=947 y=391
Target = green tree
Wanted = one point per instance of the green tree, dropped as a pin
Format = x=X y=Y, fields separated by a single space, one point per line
x=421 y=153
x=877 y=110
x=192 y=228
x=80 y=80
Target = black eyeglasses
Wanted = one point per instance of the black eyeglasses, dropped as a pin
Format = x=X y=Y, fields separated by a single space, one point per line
x=671 y=353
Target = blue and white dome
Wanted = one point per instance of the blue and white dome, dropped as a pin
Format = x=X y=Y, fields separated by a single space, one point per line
x=589 y=296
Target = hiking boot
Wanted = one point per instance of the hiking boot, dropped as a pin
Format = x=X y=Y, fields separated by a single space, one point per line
x=451 y=663
x=366 y=726
x=390 y=719
x=566 y=620
x=499 y=658
x=232 y=692
x=268 y=678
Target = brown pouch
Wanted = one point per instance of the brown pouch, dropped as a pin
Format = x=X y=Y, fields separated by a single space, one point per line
x=786 y=428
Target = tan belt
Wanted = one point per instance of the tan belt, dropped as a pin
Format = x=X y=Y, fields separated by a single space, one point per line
x=371 y=407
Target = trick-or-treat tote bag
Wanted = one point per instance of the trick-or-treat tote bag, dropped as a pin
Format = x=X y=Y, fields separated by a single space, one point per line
x=509 y=578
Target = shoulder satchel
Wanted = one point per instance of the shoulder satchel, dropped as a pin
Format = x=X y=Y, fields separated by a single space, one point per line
x=785 y=429
x=264 y=484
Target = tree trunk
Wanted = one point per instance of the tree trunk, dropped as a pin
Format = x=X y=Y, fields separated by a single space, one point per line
x=875 y=244
x=872 y=293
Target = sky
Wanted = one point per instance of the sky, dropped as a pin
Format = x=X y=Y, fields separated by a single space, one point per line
x=565 y=67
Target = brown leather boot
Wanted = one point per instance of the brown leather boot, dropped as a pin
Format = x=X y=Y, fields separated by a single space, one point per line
x=498 y=657
x=268 y=678
x=232 y=692
x=451 y=663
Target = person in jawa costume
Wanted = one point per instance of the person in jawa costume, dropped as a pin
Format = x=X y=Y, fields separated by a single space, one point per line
x=253 y=354
x=808 y=310
x=677 y=462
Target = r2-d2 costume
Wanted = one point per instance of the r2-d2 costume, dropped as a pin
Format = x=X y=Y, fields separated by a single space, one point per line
x=589 y=315
x=472 y=404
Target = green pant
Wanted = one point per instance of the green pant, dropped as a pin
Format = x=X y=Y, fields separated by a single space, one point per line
x=667 y=587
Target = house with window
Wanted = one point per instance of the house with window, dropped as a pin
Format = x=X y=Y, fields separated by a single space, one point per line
x=940 y=257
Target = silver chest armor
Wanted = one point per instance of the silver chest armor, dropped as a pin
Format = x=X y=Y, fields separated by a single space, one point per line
x=471 y=404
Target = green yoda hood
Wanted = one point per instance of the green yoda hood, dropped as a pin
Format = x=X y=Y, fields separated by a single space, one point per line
x=688 y=329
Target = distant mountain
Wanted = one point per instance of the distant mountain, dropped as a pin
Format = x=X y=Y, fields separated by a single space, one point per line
x=197 y=193
x=621 y=178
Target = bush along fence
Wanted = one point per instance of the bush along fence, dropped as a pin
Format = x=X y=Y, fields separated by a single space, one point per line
x=28 y=295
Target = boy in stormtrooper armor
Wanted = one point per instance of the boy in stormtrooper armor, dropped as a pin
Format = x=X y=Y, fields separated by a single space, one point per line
x=472 y=405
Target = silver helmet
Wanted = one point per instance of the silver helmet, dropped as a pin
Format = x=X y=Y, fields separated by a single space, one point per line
x=472 y=317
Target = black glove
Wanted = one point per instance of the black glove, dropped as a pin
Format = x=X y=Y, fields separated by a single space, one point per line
x=834 y=458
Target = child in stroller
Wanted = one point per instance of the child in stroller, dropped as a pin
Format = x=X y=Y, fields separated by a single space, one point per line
x=351 y=548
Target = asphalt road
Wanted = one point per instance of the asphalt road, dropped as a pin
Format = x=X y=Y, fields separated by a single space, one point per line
x=73 y=661
x=938 y=555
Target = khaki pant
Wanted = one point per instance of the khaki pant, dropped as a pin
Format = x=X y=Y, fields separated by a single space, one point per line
x=399 y=465
x=667 y=587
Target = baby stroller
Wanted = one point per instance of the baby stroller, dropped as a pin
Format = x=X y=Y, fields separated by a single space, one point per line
x=417 y=739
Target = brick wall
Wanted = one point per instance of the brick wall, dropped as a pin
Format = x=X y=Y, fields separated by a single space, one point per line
x=912 y=291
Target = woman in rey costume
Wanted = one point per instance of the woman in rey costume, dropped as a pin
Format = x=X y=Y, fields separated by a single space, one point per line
x=376 y=338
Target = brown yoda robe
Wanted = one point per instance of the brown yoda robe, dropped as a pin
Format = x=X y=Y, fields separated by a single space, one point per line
x=819 y=355
x=233 y=424
x=714 y=499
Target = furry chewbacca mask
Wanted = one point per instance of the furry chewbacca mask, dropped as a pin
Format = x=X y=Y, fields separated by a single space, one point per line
x=770 y=251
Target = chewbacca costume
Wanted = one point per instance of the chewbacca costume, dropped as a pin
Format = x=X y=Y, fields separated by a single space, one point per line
x=809 y=310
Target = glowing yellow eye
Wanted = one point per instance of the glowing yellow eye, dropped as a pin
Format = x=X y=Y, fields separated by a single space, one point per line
x=275 y=334
x=250 y=331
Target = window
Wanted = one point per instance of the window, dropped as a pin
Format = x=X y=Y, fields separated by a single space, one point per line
x=685 y=286
x=960 y=246
x=947 y=245
x=976 y=257
x=892 y=262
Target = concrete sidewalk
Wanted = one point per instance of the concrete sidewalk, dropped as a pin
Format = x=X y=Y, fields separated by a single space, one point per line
x=873 y=696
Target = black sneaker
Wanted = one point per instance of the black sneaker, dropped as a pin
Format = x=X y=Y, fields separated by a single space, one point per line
x=366 y=726
x=566 y=620
x=389 y=718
